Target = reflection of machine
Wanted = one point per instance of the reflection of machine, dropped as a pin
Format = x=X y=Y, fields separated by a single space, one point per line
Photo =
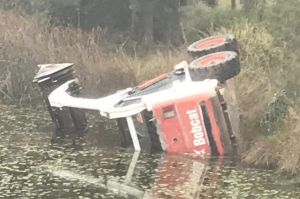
x=122 y=188
x=184 y=111
x=180 y=177
x=174 y=177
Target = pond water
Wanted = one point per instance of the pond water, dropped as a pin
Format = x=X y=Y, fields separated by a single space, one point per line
x=30 y=167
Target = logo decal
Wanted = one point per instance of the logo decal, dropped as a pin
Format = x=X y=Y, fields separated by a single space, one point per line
x=196 y=130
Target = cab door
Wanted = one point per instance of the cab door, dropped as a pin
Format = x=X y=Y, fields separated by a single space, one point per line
x=182 y=127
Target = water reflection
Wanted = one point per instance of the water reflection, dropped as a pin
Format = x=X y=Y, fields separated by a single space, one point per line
x=144 y=176
x=32 y=168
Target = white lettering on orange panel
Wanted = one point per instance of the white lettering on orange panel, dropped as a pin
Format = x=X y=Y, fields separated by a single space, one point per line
x=197 y=130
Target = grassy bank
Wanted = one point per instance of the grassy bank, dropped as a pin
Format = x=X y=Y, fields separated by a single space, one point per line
x=267 y=88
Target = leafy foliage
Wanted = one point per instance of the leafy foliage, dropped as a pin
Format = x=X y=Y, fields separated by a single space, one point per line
x=275 y=113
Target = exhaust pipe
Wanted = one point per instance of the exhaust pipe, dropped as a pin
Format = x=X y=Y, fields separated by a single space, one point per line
x=67 y=121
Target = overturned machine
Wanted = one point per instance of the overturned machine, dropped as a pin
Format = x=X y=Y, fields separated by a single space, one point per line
x=183 y=111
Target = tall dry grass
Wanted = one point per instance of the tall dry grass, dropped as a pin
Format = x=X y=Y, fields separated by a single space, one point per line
x=26 y=41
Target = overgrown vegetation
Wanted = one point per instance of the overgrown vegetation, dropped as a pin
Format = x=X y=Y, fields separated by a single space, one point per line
x=25 y=42
x=267 y=89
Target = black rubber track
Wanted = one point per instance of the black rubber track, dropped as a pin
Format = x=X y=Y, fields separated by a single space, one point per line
x=221 y=71
x=230 y=44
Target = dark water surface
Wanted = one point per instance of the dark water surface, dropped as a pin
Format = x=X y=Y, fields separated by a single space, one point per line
x=30 y=167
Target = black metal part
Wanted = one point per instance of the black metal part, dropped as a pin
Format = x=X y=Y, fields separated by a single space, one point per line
x=126 y=140
x=146 y=131
x=208 y=128
x=230 y=131
x=66 y=120
x=152 y=131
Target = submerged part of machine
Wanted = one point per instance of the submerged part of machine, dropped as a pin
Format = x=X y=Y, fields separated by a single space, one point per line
x=184 y=111
x=66 y=120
